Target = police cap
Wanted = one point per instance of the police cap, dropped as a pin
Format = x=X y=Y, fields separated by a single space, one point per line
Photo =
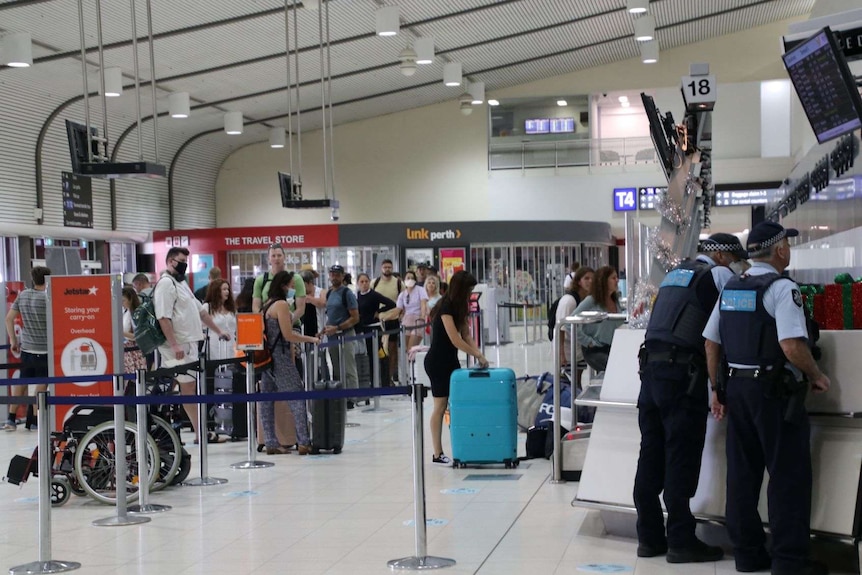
x=724 y=243
x=767 y=234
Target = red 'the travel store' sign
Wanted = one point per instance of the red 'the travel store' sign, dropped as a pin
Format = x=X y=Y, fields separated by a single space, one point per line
x=222 y=239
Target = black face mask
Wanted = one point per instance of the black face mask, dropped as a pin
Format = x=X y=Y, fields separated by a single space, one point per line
x=181 y=268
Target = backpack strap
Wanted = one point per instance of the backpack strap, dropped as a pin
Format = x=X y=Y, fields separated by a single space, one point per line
x=376 y=282
x=278 y=338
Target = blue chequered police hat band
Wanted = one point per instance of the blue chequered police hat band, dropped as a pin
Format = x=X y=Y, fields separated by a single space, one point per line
x=768 y=243
x=713 y=246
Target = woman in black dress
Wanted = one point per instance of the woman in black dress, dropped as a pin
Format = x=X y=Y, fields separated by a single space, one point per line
x=371 y=303
x=449 y=333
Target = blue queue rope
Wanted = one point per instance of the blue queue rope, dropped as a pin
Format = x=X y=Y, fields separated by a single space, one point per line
x=6 y=346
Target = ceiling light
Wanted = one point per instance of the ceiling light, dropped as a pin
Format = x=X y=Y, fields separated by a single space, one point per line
x=562 y=103
x=408 y=61
x=649 y=52
x=424 y=50
x=387 y=21
x=466 y=108
x=645 y=28
x=625 y=104
x=623 y=99
x=477 y=91
x=637 y=6
x=113 y=82
x=178 y=104
x=16 y=50
x=276 y=137
x=452 y=74
x=233 y=123
x=493 y=102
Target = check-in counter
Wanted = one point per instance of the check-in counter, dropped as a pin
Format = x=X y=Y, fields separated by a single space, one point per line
x=836 y=440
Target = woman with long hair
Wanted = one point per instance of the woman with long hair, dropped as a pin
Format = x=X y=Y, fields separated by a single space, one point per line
x=133 y=358
x=219 y=303
x=371 y=305
x=245 y=297
x=578 y=290
x=432 y=288
x=595 y=338
x=283 y=376
x=449 y=334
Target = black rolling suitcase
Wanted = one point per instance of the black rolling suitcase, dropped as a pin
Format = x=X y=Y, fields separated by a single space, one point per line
x=328 y=420
x=239 y=411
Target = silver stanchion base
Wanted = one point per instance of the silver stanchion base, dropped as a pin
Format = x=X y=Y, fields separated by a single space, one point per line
x=376 y=410
x=420 y=563
x=557 y=481
x=147 y=509
x=120 y=521
x=204 y=481
x=252 y=464
x=44 y=567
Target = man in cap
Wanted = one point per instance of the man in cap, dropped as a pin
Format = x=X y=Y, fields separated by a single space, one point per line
x=673 y=402
x=757 y=351
x=342 y=314
x=421 y=273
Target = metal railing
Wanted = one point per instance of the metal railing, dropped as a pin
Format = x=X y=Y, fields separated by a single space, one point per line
x=570 y=153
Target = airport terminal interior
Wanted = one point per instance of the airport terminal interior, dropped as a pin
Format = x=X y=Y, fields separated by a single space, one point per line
x=512 y=139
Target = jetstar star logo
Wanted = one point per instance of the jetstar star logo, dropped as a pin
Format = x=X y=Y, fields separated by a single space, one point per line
x=81 y=291
x=429 y=235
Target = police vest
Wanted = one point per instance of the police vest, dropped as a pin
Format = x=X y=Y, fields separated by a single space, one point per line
x=749 y=335
x=681 y=309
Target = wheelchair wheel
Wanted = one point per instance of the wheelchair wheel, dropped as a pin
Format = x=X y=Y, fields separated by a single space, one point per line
x=170 y=450
x=60 y=491
x=95 y=462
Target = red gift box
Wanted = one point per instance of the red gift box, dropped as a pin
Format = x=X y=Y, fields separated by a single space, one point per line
x=820 y=309
x=856 y=296
x=833 y=312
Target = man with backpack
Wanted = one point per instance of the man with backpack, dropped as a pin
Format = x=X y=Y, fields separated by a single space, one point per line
x=389 y=286
x=261 y=286
x=342 y=314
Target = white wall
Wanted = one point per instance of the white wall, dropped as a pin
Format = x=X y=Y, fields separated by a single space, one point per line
x=430 y=163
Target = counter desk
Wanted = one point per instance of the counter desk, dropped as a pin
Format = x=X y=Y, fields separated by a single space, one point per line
x=836 y=441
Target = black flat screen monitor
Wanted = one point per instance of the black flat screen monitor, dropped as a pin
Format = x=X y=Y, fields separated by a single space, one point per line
x=537 y=126
x=77 y=134
x=285 y=185
x=657 y=132
x=825 y=86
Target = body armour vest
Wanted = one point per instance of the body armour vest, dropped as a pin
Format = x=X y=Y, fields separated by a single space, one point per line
x=685 y=299
x=749 y=335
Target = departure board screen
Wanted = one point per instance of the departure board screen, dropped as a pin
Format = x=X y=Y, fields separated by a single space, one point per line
x=825 y=86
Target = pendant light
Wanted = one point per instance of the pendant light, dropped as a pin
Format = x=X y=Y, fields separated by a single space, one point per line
x=477 y=91
x=387 y=21
x=276 y=137
x=645 y=28
x=452 y=74
x=649 y=52
x=178 y=104
x=113 y=82
x=16 y=50
x=408 y=61
x=233 y=123
x=424 y=48
x=637 y=6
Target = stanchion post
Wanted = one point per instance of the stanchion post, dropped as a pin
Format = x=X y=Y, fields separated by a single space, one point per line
x=498 y=343
x=342 y=368
x=251 y=462
x=121 y=465
x=421 y=560
x=375 y=374
x=144 y=505
x=45 y=564
x=558 y=453
x=204 y=480
x=402 y=356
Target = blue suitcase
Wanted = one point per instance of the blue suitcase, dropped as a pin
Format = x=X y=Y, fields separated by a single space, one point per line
x=483 y=406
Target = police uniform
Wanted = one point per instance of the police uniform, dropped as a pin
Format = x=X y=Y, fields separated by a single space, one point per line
x=764 y=431
x=673 y=405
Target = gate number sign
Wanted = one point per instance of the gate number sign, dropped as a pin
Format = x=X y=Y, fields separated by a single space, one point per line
x=625 y=199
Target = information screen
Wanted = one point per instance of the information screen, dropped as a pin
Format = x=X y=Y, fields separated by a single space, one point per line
x=562 y=125
x=648 y=196
x=625 y=199
x=537 y=126
x=825 y=86
x=753 y=197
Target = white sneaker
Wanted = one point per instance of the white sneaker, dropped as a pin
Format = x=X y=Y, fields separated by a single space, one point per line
x=10 y=426
x=443 y=459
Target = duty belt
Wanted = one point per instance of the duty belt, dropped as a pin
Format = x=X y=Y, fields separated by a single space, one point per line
x=671 y=357
x=752 y=372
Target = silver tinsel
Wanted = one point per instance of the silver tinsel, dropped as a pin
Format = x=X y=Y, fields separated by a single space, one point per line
x=672 y=212
x=660 y=251
x=643 y=296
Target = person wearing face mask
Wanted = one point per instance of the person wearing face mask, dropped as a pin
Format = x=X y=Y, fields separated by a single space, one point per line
x=757 y=347
x=180 y=315
x=673 y=400
x=413 y=304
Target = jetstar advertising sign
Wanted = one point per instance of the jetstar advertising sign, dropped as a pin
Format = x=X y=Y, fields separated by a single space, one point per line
x=83 y=334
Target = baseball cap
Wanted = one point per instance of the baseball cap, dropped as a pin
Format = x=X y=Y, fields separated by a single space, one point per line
x=422 y=265
x=337 y=269
x=766 y=234
x=722 y=242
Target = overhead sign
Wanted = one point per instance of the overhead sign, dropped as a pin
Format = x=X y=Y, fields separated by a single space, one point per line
x=77 y=201
x=258 y=238
x=648 y=196
x=430 y=235
x=83 y=335
x=625 y=199
x=249 y=331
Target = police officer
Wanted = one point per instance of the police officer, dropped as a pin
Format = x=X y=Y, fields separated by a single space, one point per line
x=758 y=329
x=674 y=402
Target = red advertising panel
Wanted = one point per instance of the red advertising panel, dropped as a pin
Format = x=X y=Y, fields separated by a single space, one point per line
x=82 y=335
x=451 y=260
x=12 y=291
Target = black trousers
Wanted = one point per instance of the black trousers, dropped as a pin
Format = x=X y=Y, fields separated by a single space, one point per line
x=673 y=431
x=758 y=438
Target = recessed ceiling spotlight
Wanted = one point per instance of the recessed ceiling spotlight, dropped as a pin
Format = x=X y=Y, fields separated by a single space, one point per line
x=493 y=102
x=623 y=99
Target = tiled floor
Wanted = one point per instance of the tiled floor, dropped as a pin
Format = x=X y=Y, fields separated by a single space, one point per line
x=347 y=514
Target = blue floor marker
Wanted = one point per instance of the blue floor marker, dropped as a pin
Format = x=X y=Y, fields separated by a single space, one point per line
x=428 y=522
x=460 y=491
x=604 y=568
x=246 y=493
x=494 y=477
